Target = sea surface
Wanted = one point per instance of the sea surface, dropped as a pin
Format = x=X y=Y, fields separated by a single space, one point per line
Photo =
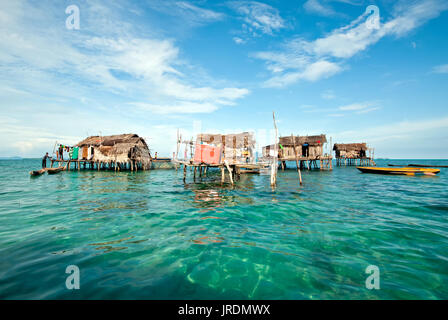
x=149 y=235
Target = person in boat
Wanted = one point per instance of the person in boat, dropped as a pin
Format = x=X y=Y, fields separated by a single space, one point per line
x=44 y=160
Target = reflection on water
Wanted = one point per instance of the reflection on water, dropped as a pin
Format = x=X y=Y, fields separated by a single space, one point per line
x=150 y=235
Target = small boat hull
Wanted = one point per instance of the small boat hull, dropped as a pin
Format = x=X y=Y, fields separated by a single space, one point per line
x=400 y=171
x=37 y=173
x=55 y=170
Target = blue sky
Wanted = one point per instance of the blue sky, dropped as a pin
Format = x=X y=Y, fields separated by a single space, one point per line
x=150 y=67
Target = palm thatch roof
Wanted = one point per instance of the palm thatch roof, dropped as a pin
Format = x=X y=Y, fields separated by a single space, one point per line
x=300 y=140
x=121 y=147
x=348 y=147
x=233 y=140
x=112 y=140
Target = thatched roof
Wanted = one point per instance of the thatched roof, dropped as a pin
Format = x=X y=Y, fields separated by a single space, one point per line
x=233 y=140
x=350 y=147
x=300 y=140
x=113 y=140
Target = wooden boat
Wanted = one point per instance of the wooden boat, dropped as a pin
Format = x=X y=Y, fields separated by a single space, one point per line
x=55 y=170
x=426 y=166
x=36 y=173
x=401 y=171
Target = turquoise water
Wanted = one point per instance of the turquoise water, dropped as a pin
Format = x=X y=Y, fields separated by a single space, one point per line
x=149 y=235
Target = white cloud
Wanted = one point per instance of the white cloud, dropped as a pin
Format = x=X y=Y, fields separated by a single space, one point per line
x=259 y=16
x=239 y=40
x=315 y=6
x=405 y=139
x=200 y=12
x=328 y=95
x=360 y=108
x=187 y=13
x=407 y=127
x=291 y=64
x=313 y=72
x=354 y=106
x=440 y=69
x=182 y=107
x=120 y=63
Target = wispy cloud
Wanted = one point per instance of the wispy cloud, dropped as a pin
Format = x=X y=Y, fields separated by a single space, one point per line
x=323 y=7
x=258 y=17
x=186 y=12
x=440 y=69
x=312 y=72
x=238 y=40
x=315 y=6
x=360 y=108
x=121 y=64
x=403 y=139
x=328 y=53
x=354 y=106
x=200 y=13
x=328 y=95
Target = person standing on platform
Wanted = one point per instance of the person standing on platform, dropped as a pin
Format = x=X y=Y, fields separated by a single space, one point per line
x=61 y=152
x=44 y=161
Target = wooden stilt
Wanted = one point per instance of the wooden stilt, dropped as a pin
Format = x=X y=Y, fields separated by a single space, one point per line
x=230 y=172
x=297 y=159
x=222 y=175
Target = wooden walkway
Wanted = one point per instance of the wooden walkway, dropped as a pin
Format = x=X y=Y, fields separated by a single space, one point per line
x=321 y=163
x=72 y=164
x=363 y=162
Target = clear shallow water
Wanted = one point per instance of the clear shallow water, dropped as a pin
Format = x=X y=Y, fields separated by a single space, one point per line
x=148 y=235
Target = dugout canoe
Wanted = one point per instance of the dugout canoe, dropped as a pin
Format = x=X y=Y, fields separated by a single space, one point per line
x=55 y=170
x=36 y=173
x=400 y=171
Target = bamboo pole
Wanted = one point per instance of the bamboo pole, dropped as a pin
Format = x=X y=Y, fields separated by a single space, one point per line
x=297 y=159
x=275 y=164
x=230 y=172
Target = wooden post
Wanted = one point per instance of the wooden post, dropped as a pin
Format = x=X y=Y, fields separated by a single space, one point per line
x=230 y=172
x=222 y=174
x=275 y=164
x=185 y=171
x=297 y=159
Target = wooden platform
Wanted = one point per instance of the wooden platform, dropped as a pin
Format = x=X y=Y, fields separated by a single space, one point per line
x=97 y=165
x=347 y=161
x=321 y=163
x=234 y=169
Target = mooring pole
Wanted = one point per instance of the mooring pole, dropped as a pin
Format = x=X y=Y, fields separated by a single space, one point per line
x=297 y=159
x=275 y=164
